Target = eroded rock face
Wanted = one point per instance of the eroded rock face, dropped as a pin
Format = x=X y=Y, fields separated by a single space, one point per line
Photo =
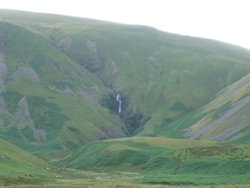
x=93 y=64
x=3 y=68
x=3 y=73
x=2 y=112
x=23 y=115
x=223 y=122
x=91 y=45
x=2 y=107
x=24 y=120
x=26 y=72
x=62 y=43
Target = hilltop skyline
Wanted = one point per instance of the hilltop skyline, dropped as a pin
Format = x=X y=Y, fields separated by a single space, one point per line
x=224 y=20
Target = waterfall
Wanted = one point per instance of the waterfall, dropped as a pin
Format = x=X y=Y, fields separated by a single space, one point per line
x=119 y=100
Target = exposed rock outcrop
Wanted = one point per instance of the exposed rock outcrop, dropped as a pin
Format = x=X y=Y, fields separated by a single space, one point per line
x=24 y=120
x=26 y=72
x=3 y=73
x=3 y=68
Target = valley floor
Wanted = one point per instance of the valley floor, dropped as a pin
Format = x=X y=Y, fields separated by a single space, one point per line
x=120 y=183
x=70 y=178
x=132 y=162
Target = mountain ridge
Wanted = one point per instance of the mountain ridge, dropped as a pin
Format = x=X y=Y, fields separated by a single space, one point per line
x=160 y=77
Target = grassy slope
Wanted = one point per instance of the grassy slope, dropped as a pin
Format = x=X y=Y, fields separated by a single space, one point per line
x=18 y=166
x=163 y=160
x=63 y=101
x=226 y=118
x=163 y=75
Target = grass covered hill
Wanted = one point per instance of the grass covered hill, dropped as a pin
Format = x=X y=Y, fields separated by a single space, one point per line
x=72 y=89
x=160 y=76
x=47 y=101
x=225 y=119
x=18 y=166
x=164 y=160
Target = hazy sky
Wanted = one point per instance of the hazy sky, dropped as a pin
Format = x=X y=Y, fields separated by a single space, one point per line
x=224 y=20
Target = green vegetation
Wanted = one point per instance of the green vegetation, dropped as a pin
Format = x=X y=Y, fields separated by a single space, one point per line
x=167 y=161
x=46 y=93
x=11 y=99
x=226 y=118
x=46 y=115
x=132 y=119
x=164 y=76
x=20 y=167
x=61 y=78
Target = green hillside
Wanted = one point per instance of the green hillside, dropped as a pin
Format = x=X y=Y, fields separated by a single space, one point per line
x=72 y=88
x=160 y=76
x=18 y=166
x=48 y=102
x=225 y=119
x=169 y=161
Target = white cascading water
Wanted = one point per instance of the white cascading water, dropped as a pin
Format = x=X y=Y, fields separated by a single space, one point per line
x=119 y=100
